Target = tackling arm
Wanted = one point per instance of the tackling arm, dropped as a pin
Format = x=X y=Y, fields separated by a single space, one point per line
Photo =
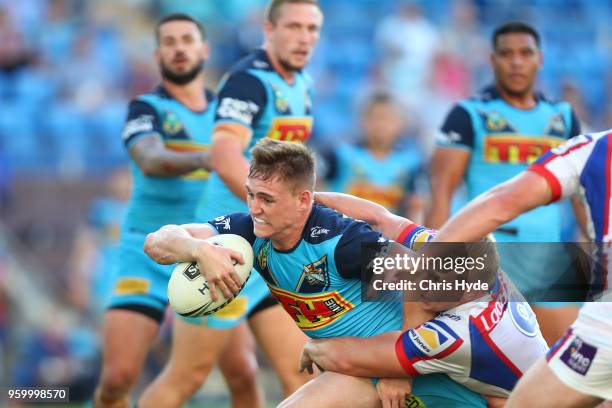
x=154 y=159
x=359 y=357
x=379 y=218
x=495 y=207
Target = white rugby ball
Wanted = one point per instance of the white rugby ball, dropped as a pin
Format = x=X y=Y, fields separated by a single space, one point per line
x=188 y=291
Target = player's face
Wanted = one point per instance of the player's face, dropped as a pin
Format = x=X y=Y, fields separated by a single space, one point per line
x=294 y=35
x=382 y=123
x=516 y=61
x=274 y=207
x=181 y=52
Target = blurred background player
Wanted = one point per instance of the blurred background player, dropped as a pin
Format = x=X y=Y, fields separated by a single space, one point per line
x=265 y=94
x=490 y=138
x=578 y=372
x=166 y=134
x=382 y=167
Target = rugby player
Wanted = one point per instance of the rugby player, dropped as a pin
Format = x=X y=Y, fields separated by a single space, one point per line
x=265 y=94
x=490 y=138
x=578 y=369
x=309 y=256
x=166 y=133
x=486 y=340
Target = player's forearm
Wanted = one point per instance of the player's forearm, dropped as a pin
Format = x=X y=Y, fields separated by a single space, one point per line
x=168 y=163
x=171 y=244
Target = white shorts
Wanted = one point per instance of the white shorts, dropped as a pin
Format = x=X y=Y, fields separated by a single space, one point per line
x=583 y=363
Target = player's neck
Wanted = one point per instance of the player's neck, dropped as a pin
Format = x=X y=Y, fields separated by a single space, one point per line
x=287 y=74
x=526 y=100
x=379 y=151
x=190 y=95
x=292 y=236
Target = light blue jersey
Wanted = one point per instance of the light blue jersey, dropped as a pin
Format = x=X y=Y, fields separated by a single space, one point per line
x=503 y=140
x=254 y=95
x=157 y=201
x=354 y=170
x=318 y=283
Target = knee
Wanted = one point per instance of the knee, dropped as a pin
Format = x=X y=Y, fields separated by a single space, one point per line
x=241 y=374
x=118 y=380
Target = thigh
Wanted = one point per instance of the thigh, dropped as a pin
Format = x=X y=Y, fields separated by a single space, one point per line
x=333 y=390
x=239 y=350
x=196 y=347
x=127 y=337
x=278 y=336
x=540 y=388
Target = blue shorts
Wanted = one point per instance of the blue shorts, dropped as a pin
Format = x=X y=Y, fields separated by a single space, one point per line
x=139 y=280
x=255 y=290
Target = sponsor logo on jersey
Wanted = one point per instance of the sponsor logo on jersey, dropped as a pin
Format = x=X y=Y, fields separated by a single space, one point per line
x=314 y=276
x=579 y=356
x=242 y=111
x=143 y=123
x=433 y=338
x=315 y=311
x=222 y=222
x=517 y=149
x=523 y=318
x=132 y=286
x=317 y=231
x=290 y=129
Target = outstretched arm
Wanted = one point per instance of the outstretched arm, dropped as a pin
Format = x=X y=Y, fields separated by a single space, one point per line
x=360 y=357
x=379 y=218
x=497 y=206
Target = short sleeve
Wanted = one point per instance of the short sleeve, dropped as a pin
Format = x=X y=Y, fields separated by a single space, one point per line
x=142 y=120
x=425 y=349
x=237 y=223
x=348 y=256
x=242 y=99
x=562 y=166
x=457 y=129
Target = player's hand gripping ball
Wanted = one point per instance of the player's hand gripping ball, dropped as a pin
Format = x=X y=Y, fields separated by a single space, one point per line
x=188 y=290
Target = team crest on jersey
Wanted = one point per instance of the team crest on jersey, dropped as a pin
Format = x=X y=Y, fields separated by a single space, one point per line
x=311 y=312
x=171 y=125
x=314 y=277
x=262 y=262
x=556 y=126
x=291 y=129
x=494 y=122
x=433 y=338
x=579 y=355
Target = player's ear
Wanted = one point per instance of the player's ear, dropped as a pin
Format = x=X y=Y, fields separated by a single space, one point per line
x=305 y=198
x=268 y=29
x=205 y=50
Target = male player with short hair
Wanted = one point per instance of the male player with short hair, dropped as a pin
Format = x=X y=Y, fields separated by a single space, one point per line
x=309 y=256
x=578 y=372
x=265 y=94
x=166 y=133
x=490 y=138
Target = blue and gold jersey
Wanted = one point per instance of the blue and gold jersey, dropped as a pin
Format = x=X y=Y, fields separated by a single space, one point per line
x=158 y=201
x=503 y=141
x=352 y=169
x=318 y=284
x=253 y=94
x=318 y=281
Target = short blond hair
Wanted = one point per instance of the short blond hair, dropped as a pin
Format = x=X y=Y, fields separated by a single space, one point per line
x=286 y=161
